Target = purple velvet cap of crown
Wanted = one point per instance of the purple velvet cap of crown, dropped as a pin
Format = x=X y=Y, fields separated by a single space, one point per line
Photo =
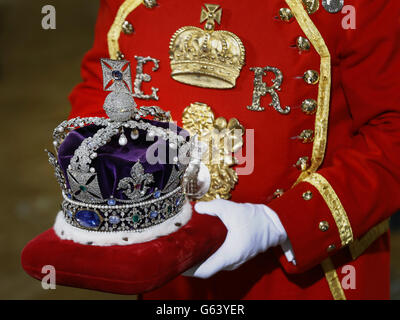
x=114 y=162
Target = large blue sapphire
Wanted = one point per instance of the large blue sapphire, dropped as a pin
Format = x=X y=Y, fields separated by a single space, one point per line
x=88 y=219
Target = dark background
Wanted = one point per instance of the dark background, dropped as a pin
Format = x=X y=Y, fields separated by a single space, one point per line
x=38 y=69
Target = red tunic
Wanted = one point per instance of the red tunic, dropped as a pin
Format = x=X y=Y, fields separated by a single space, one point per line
x=355 y=157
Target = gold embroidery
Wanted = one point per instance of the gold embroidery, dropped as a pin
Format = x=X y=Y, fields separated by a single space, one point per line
x=333 y=279
x=223 y=138
x=334 y=205
x=113 y=34
x=206 y=58
x=358 y=247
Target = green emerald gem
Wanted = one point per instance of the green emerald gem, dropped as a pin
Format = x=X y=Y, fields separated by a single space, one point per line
x=135 y=218
x=83 y=188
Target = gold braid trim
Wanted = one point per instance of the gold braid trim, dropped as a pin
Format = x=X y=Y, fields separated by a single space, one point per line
x=113 y=34
x=358 y=247
x=333 y=280
x=321 y=120
x=334 y=205
x=324 y=88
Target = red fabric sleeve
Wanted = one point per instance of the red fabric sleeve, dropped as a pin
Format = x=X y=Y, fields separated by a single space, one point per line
x=365 y=174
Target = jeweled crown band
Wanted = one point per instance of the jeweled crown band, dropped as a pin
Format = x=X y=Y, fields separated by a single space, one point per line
x=123 y=217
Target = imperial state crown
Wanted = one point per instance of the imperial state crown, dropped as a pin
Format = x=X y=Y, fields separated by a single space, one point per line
x=121 y=177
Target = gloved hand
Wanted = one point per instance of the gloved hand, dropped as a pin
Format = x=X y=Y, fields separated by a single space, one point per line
x=252 y=228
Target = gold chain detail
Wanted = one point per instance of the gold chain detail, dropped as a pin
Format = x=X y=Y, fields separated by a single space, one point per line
x=358 y=247
x=334 y=205
x=113 y=34
x=333 y=279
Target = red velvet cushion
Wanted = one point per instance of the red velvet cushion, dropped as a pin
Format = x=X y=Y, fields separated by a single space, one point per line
x=128 y=269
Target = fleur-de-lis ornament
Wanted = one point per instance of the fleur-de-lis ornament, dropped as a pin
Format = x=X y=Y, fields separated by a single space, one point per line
x=137 y=184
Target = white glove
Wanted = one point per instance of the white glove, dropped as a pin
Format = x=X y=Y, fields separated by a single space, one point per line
x=252 y=228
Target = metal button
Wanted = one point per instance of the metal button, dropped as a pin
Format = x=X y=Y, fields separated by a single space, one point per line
x=303 y=44
x=331 y=248
x=324 y=226
x=307 y=136
x=309 y=106
x=285 y=14
x=333 y=6
x=307 y=195
x=303 y=163
x=150 y=3
x=127 y=27
x=278 y=193
x=311 y=77
x=311 y=6
x=120 y=55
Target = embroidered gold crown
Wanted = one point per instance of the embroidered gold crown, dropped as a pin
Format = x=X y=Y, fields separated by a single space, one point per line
x=206 y=58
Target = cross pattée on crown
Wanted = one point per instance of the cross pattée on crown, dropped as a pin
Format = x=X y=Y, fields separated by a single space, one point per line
x=116 y=75
x=212 y=13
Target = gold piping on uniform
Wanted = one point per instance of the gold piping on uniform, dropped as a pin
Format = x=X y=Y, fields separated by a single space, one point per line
x=113 y=34
x=334 y=205
x=333 y=280
x=321 y=120
x=358 y=247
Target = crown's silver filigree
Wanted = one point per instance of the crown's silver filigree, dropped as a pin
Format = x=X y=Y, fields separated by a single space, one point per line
x=84 y=186
x=136 y=198
x=137 y=184
x=57 y=170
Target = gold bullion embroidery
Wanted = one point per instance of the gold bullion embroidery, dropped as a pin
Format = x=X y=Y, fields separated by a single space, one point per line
x=206 y=58
x=223 y=138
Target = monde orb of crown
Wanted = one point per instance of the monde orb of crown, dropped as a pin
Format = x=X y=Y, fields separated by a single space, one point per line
x=119 y=106
x=206 y=58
